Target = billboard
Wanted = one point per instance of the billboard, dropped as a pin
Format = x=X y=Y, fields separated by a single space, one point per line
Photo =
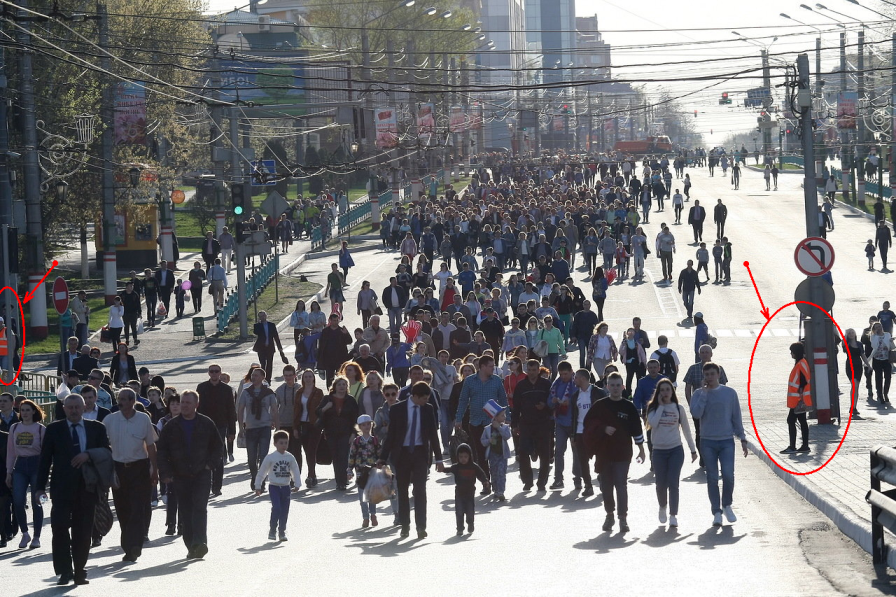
x=386 y=120
x=846 y=109
x=130 y=113
x=457 y=119
x=264 y=83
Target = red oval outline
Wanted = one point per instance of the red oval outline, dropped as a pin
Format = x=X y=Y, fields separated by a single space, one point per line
x=22 y=320
x=750 y=397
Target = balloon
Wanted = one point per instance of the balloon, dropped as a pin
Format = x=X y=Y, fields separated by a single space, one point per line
x=187 y=285
x=611 y=275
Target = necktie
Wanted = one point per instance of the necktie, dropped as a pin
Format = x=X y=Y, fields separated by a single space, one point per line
x=414 y=441
x=76 y=441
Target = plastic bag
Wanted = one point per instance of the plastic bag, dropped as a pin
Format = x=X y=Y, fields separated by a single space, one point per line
x=379 y=485
x=161 y=311
x=140 y=326
x=62 y=391
x=241 y=440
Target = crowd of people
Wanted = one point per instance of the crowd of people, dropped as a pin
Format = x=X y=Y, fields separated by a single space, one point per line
x=467 y=356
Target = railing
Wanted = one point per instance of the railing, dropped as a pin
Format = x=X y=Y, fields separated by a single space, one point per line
x=354 y=216
x=317 y=239
x=255 y=285
x=870 y=187
x=883 y=503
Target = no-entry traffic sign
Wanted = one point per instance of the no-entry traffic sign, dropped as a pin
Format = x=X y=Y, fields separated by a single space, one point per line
x=814 y=256
x=60 y=295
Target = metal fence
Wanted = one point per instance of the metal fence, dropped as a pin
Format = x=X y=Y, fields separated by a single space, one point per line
x=358 y=213
x=255 y=285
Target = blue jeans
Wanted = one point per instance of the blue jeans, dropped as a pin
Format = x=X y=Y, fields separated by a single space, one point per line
x=563 y=434
x=446 y=424
x=687 y=297
x=368 y=509
x=258 y=443
x=551 y=360
x=718 y=452
x=279 y=506
x=25 y=474
x=667 y=467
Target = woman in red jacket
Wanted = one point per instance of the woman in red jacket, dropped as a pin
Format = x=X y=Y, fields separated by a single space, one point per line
x=798 y=389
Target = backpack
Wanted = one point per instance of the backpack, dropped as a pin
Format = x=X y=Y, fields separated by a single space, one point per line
x=667 y=364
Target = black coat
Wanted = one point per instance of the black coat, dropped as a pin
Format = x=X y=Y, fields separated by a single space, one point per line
x=63 y=364
x=398 y=429
x=386 y=297
x=333 y=348
x=57 y=453
x=205 y=451
x=115 y=366
x=84 y=364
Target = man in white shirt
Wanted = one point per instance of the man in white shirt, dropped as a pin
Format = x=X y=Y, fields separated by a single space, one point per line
x=133 y=439
x=217 y=281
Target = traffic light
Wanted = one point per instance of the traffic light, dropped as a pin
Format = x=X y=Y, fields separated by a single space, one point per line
x=241 y=232
x=788 y=131
x=695 y=113
x=725 y=99
x=238 y=197
x=564 y=109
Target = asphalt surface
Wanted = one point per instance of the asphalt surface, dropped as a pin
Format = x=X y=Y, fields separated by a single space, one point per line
x=546 y=544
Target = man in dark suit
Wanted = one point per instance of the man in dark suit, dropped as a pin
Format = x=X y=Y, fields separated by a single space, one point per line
x=65 y=447
x=210 y=250
x=267 y=340
x=165 y=282
x=85 y=363
x=413 y=435
x=696 y=216
x=67 y=358
x=394 y=298
x=5 y=493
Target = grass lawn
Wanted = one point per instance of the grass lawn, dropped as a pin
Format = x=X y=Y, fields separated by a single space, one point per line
x=99 y=316
x=291 y=290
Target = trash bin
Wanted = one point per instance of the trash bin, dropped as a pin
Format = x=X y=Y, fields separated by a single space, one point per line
x=198 y=328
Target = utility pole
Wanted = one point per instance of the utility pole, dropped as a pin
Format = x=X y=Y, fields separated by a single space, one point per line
x=369 y=129
x=34 y=245
x=6 y=221
x=215 y=132
x=767 y=84
x=818 y=134
x=845 y=152
x=236 y=178
x=107 y=115
x=893 y=138
x=860 y=123
x=820 y=348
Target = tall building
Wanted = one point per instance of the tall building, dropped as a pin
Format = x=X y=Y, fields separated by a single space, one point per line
x=501 y=56
x=592 y=52
x=551 y=32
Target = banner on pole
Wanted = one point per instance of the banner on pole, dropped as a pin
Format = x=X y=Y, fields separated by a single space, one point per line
x=457 y=119
x=130 y=113
x=386 y=128
x=846 y=109
x=426 y=122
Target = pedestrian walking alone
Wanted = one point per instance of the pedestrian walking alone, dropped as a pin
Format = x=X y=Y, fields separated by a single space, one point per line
x=799 y=398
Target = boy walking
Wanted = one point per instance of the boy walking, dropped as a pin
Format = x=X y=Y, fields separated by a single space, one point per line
x=497 y=450
x=610 y=426
x=283 y=468
x=465 y=473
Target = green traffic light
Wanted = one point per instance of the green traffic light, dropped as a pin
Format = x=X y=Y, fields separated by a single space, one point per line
x=238 y=210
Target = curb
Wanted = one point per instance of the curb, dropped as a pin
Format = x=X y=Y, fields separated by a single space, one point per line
x=758 y=169
x=849 y=524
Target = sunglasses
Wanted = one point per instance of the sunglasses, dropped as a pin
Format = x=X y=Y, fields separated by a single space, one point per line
x=214 y=371
x=95 y=378
x=387 y=394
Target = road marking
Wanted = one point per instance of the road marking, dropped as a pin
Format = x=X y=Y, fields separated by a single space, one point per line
x=743 y=333
x=779 y=332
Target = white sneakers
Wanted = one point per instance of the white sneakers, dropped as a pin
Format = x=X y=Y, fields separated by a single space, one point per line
x=662 y=515
x=729 y=514
x=26 y=539
x=673 y=521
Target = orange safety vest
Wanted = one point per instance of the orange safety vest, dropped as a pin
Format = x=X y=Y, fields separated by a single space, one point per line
x=4 y=348
x=801 y=369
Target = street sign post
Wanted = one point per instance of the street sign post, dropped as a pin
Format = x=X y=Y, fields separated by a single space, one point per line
x=814 y=256
x=60 y=295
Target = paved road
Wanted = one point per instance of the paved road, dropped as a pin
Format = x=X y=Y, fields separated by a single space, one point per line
x=801 y=553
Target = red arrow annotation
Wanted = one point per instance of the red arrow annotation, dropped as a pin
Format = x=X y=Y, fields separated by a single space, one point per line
x=764 y=309
x=30 y=294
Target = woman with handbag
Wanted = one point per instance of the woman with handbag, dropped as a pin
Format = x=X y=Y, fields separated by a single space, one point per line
x=881 y=345
x=337 y=416
x=799 y=399
x=307 y=398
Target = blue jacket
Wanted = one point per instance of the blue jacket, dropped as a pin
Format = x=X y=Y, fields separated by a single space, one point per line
x=486 y=438
x=644 y=392
x=397 y=356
